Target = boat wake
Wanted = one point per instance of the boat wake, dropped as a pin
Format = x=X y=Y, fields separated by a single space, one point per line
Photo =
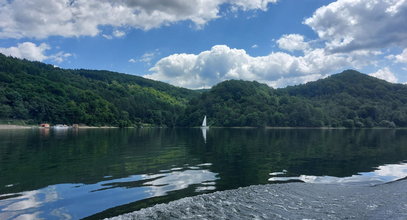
x=288 y=201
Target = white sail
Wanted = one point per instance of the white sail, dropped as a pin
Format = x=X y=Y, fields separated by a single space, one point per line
x=204 y=122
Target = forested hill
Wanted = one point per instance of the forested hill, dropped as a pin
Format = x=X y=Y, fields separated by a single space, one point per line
x=38 y=92
x=352 y=83
x=355 y=99
x=347 y=99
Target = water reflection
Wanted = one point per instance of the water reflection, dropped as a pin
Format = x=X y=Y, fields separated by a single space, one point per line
x=75 y=174
x=383 y=174
x=204 y=130
x=72 y=201
x=27 y=205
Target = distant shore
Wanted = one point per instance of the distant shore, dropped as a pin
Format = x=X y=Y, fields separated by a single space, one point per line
x=16 y=126
x=10 y=126
x=92 y=127
x=6 y=126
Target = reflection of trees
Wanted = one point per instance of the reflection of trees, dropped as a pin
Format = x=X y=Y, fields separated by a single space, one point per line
x=240 y=157
x=247 y=156
x=35 y=161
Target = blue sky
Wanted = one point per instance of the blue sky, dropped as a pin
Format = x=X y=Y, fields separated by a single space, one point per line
x=198 y=43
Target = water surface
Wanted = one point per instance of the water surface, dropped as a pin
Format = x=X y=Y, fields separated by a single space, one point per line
x=96 y=173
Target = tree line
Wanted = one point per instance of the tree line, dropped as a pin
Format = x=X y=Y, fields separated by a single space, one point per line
x=38 y=92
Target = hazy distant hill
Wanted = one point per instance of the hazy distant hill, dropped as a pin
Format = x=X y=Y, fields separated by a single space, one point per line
x=348 y=99
x=42 y=93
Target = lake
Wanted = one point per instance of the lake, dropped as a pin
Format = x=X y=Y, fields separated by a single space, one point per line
x=97 y=173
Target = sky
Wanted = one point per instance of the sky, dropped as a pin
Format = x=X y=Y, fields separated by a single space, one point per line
x=199 y=43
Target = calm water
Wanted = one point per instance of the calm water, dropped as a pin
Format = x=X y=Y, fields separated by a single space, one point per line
x=97 y=173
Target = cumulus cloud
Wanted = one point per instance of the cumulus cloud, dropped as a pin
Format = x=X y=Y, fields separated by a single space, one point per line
x=385 y=74
x=221 y=63
x=400 y=58
x=348 y=25
x=31 y=51
x=27 y=50
x=292 y=42
x=353 y=33
x=69 y=18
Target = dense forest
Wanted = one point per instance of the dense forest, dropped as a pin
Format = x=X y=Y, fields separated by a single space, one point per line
x=37 y=92
x=348 y=99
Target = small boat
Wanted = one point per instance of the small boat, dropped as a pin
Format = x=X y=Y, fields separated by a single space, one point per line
x=59 y=126
x=45 y=125
x=204 y=123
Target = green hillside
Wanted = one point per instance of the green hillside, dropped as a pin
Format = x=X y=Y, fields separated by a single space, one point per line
x=37 y=92
x=243 y=103
x=354 y=99
x=42 y=93
x=348 y=99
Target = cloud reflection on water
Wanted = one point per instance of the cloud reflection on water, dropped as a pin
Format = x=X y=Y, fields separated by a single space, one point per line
x=180 y=180
x=58 y=201
x=28 y=205
x=383 y=174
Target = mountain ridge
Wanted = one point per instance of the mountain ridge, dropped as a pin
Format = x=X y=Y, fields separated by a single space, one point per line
x=40 y=92
x=348 y=99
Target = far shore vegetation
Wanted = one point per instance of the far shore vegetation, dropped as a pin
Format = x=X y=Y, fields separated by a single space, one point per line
x=32 y=93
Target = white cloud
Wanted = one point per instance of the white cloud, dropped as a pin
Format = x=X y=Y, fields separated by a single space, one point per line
x=254 y=46
x=221 y=63
x=31 y=51
x=401 y=58
x=385 y=74
x=114 y=34
x=118 y=33
x=27 y=50
x=146 y=57
x=348 y=25
x=69 y=18
x=355 y=33
x=292 y=42
x=59 y=57
x=107 y=36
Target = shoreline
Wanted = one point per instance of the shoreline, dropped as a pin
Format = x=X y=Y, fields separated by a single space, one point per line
x=95 y=127
x=12 y=127
x=287 y=201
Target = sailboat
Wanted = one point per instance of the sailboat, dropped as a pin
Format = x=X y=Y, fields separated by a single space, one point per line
x=204 y=123
x=204 y=128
